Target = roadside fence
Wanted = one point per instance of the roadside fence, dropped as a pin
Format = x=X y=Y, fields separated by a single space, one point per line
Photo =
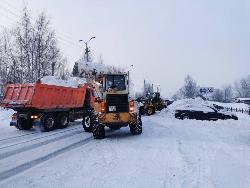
x=247 y=111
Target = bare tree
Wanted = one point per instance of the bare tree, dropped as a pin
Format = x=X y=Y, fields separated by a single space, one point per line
x=189 y=90
x=228 y=93
x=242 y=87
x=218 y=95
x=29 y=51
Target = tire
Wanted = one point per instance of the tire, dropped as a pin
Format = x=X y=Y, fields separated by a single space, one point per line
x=62 y=120
x=142 y=110
x=150 y=111
x=48 y=122
x=99 y=132
x=89 y=121
x=185 y=117
x=23 y=124
x=136 y=128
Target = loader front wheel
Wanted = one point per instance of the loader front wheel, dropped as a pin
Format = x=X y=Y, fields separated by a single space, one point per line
x=136 y=128
x=150 y=111
x=99 y=132
x=48 y=122
x=89 y=122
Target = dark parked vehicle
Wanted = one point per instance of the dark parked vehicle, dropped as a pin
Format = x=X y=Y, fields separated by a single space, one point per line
x=202 y=113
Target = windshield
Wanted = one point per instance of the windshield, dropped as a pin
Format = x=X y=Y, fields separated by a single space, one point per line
x=116 y=82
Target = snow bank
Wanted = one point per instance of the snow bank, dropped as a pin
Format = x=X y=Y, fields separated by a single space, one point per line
x=200 y=105
x=70 y=82
x=194 y=102
x=5 y=116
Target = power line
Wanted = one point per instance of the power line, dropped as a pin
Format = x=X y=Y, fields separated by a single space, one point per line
x=62 y=36
x=66 y=40
x=10 y=5
x=9 y=18
x=9 y=11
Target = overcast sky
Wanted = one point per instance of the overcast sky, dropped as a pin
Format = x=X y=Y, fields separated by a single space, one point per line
x=165 y=40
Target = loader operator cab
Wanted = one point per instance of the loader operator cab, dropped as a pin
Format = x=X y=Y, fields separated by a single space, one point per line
x=115 y=82
x=115 y=109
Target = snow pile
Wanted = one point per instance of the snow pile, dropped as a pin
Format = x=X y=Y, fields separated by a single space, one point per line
x=5 y=115
x=183 y=102
x=200 y=105
x=5 y=118
x=70 y=82
x=197 y=103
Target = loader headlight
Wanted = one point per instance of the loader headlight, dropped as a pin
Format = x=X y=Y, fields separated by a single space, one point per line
x=131 y=106
x=103 y=107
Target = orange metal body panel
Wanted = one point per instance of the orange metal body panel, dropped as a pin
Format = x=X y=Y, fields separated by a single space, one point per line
x=43 y=96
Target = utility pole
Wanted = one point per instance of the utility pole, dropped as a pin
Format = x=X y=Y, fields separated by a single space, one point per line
x=87 y=50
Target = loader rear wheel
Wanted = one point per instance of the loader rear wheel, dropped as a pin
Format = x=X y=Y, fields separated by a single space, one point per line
x=99 y=132
x=62 y=120
x=136 y=128
x=23 y=124
x=89 y=121
x=150 y=111
x=48 y=122
x=142 y=110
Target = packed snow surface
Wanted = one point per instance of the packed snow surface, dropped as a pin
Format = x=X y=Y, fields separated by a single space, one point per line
x=70 y=82
x=169 y=153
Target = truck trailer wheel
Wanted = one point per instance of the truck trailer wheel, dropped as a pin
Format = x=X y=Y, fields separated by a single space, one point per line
x=48 y=122
x=99 y=132
x=136 y=128
x=23 y=123
x=62 y=120
x=89 y=121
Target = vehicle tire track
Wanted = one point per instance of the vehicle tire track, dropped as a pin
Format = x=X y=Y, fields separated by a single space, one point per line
x=38 y=138
x=19 y=136
x=33 y=146
x=23 y=135
x=28 y=165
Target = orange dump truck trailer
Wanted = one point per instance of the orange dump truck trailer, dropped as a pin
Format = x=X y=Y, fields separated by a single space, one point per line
x=48 y=106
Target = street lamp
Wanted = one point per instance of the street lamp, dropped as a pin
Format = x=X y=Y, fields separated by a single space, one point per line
x=87 y=48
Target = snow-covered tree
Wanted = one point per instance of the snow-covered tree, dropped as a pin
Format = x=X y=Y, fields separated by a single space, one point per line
x=218 y=95
x=29 y=51
x=228 y=93
x=189 y=90
x=75 y=71
x=242 y=87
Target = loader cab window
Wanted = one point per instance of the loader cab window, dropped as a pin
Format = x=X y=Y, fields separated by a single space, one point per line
x=116 y=82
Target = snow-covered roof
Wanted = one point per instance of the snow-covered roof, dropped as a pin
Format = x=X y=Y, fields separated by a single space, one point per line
x=243 y=99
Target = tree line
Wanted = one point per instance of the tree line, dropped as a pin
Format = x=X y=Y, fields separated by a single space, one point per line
x=240 y=89
x=30 y=51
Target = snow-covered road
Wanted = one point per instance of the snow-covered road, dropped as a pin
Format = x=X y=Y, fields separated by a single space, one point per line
x=169 y=153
